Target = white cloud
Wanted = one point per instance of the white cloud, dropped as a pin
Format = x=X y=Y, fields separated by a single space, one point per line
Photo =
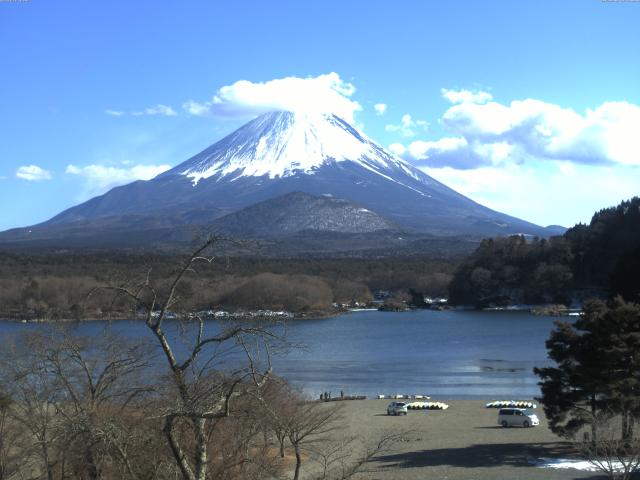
x=195 y=108
x=544 y=192
x=100 y=178
x=407 y=126
x=568 y=169
x=607 y=134
x=380 y=108
x=325 y=93
x=397 y=149
x=466 y=96
x=533 y=159
x=158 y=109
x=453 y=151
x=33 y=173
x=528 y=130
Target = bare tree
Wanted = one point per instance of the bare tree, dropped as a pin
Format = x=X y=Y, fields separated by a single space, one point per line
x=307 y=424
x=33 y=410
x=101 y=408
x=337 y=460
x=296 y=422
x=200 y=390
x=314 y=432
x=241 y=452
x=12 y=457
x=75 y=398
x=614 y=456
x=278 y=403
x=100 y=384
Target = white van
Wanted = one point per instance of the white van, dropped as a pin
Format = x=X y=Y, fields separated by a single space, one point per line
x=397 y=408
x=522 y=417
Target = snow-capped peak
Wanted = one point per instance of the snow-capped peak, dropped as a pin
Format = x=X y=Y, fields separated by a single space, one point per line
x=281 y=144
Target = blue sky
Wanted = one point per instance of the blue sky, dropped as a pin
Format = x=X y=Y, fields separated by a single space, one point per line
x=532 y=108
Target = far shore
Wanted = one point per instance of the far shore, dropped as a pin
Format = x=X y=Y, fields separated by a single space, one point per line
x=238 y=316
x=542 y=310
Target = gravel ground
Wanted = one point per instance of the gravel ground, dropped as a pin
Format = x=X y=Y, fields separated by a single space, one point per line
x=463 y=442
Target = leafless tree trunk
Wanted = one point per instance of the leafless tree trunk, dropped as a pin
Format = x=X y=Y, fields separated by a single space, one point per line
x=12 y=453
x=72 y=396
x=307 y=424
x=615 y=454
x=202 y=394
x=312 y=430
x=33 y=408
x=99 y=408
x=338 y=461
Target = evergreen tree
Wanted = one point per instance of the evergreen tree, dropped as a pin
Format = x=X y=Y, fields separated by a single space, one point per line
x=625 y=280
x=597 y=369
x=604 y=255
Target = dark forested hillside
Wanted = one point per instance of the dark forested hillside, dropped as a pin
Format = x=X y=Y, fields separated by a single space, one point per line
x=513 y=269
x=604 y=255
x=612 y=234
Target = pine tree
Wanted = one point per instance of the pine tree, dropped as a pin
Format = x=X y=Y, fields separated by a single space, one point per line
x=597 y=369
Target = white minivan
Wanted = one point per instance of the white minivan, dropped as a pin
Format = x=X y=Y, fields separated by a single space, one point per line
x=522 y=417
x=397 y=408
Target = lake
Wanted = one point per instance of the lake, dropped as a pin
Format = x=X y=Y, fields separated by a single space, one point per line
x=451 y=354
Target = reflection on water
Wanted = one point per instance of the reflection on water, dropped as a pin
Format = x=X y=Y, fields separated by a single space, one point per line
x=449 y=354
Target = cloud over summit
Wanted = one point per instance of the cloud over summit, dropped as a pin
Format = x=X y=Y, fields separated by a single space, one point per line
x=326 y=93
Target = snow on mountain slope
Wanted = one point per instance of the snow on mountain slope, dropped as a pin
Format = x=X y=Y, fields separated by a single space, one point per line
x=282 y=144
x=271 y=157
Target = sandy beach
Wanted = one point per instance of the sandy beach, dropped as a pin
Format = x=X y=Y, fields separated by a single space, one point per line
x=462 y=442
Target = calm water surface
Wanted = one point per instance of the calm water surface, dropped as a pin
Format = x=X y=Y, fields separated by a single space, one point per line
x=449 y=354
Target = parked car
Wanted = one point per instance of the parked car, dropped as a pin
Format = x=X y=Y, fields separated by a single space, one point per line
x=397 y=408
x=522 y=417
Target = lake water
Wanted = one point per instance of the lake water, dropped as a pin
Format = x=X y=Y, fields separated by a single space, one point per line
x=447 y=355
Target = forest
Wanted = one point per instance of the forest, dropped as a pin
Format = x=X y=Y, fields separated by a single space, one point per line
x=56 y=285
x=598 y=259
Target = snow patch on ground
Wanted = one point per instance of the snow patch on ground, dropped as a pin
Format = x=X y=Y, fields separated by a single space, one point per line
x=562 y=463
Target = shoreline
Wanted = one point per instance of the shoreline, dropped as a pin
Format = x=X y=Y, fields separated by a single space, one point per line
x=239 y=316
x=284 y=315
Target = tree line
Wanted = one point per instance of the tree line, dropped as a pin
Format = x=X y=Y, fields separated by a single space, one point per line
x=54 y=285
x=603 y=256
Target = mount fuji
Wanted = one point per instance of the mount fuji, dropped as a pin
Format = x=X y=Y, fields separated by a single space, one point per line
x=316 y=170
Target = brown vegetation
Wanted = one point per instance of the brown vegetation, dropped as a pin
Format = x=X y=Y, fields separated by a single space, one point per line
x=108 y=408
x=55 y=285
